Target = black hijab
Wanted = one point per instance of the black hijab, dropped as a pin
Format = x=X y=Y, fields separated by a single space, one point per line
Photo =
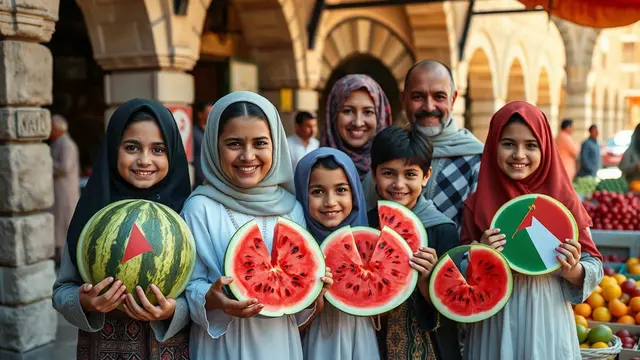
x=105 y=184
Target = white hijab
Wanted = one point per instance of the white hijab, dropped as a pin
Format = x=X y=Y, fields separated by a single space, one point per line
x=270 y=197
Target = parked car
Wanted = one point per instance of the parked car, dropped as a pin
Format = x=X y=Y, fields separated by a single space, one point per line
x=613 y=149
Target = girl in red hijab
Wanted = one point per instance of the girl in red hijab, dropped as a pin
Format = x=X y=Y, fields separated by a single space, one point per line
x=520 y=157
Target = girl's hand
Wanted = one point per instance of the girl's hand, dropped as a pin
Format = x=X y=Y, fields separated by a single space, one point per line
x=215 y=298
x=423 y=261
x=493 y=238
x=327 y=279
x=148 y=312
x=569 y=258
x=92 y=301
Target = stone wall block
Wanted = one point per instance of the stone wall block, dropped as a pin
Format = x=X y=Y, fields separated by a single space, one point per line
x=26 y=177
x=31 y=19
x=25 y=240
x=26 y=327
x=26 y=284
x=26 y=74
x=24 y=124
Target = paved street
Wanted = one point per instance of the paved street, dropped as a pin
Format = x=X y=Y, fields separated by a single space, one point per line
x=65 y=348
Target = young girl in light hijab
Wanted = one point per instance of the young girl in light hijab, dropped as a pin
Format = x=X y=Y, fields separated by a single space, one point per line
x=142 y=157
x=328 y=187
x=520 y=157
x=248 y=175
x=357 y=109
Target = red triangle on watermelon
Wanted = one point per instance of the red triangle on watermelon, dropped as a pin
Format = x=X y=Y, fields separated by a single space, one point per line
x=136 y=245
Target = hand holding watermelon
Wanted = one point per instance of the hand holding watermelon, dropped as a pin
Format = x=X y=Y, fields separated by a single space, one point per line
x=423 y=261
x=216 y=299
x=148 y=312
x=493 y=238
x=327 y=281
x=92 y=301
x=569 y=258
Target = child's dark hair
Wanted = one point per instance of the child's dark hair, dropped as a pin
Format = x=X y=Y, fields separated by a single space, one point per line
x=241 y=108
x=516 y=118
x=140 y=116
x=396 y=142
x=328 y=163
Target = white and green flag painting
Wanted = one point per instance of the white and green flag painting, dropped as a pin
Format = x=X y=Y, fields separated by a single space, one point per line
x=534 y=225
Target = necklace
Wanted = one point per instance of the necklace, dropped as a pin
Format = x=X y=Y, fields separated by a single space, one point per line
x=235 y=223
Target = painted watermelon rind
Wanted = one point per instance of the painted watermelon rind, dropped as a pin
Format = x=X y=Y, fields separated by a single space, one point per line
x=394 y=302
x=575 y=230
x=479 y=316
x=186 y=232
x=313 y=247
x=411 y=215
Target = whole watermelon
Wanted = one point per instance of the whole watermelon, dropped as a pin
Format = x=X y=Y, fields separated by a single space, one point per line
x=139 y=242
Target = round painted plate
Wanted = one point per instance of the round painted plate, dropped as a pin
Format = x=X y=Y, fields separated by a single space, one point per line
x=535 y=225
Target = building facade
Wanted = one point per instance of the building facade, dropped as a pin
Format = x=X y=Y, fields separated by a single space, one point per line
x=84 y=58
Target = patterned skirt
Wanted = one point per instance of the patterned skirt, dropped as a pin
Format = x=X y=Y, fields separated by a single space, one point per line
x=124 y=338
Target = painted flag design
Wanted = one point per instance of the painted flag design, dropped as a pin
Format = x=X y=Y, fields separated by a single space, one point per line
x=534 y=226
x=137 y=244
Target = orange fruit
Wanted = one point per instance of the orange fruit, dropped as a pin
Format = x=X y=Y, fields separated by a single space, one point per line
x=617 y=308
x=607 y=280
x=634 y=269
x=601 y=314
x=632 y=261
x=600 y=345
x=620 y=278
x=580 y=320
x=634 y=304
x=611 y=292
x=596 y=300
x=638 y=318
x=583 y=309
x=597 y=290
x=626 y=319
x=584 y=346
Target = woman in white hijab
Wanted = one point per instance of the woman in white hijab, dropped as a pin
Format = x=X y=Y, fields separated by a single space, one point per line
x=248 y=175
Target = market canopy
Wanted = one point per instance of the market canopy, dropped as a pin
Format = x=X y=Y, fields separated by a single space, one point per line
x=591 y=13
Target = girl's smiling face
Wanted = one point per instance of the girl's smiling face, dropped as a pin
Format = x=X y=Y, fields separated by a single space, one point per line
x=246 y=150
x=330 y=196
x=357 y=121
x=142 y=155
x=518 y=151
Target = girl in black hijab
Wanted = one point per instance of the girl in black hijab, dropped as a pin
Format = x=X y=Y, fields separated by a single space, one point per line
x=142 y=157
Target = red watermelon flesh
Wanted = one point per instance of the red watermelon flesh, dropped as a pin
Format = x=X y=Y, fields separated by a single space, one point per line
x=285 y=281
x=484 y=292
x=404 y=222
x=371 y=283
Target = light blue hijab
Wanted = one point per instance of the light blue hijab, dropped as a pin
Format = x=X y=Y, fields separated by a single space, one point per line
x=358 y=216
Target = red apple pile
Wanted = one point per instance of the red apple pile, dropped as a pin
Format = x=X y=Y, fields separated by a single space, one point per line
x=614 y=211
x=628 y=340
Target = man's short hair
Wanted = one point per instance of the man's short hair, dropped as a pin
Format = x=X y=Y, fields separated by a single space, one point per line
x=566 y=123
x=594 y=126
x=430 y=64
x=302 y=116
x=407 y=143
x=202 y=105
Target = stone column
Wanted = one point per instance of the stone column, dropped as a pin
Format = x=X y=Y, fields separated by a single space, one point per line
x=551 y=111
x=28 y=322
x=578 y=108
x=290 y=101
x=174 y=89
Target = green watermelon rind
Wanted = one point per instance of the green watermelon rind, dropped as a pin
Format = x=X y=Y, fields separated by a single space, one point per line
x=313 y=247
x=392 y=303
x=575 y=231
x=80 y=253
x=442 y=309
x=407 y=213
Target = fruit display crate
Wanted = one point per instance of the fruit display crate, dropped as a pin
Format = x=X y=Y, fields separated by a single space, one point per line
x=625 y=354
x=624 y=244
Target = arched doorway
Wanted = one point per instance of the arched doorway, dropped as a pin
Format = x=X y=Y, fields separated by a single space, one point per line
x=368 y=65
x=480 y=99
x=78 y=85
x=516 y=83
x=544 y=100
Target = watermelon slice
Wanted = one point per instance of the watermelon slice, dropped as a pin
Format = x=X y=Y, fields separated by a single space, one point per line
x=485 y=290
x=404 y=222
x=370 y=269
x=285 y=282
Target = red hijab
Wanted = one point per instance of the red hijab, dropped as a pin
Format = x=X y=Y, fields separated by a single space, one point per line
x=495 y=188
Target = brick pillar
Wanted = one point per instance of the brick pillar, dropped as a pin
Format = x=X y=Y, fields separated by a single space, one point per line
x=174 y=89
x=28 y=322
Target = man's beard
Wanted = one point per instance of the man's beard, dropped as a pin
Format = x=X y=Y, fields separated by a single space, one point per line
x=431 y=131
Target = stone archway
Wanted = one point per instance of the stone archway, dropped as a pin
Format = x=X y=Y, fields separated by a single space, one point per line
x=357 y=36
x=516 y=87
x=480 y=97
x=543 y=102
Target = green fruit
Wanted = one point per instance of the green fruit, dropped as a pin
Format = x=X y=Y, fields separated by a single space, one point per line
x=582 y=333
x=600 y=333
